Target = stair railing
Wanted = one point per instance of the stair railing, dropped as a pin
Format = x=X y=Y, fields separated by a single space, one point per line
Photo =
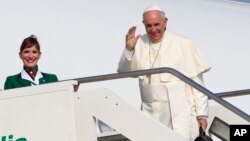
x=174 y=72
x=233 y=93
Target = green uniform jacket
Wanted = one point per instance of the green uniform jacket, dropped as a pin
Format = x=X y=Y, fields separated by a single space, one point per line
x=16 y=81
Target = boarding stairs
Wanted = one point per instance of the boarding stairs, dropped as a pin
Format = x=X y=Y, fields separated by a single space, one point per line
x=58 y=111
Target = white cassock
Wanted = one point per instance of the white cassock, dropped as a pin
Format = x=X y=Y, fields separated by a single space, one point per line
x=164 y=96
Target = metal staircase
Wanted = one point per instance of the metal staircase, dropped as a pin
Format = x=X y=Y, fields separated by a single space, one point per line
x=60 y=111
x=222 y=113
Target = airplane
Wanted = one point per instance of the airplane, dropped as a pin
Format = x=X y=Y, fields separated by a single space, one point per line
x=87 y=38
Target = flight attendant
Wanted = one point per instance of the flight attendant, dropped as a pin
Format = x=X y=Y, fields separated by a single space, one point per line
x=30 y=75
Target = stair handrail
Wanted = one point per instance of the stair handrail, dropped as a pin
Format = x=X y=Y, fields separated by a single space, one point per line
x=233 y=93
x=166 y=70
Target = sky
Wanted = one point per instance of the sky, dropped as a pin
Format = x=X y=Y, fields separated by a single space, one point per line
x=82 y=38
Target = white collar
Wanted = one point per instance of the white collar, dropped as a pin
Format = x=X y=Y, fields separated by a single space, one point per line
x=25 y=75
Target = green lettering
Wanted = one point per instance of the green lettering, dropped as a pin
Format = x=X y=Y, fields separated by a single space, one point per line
x=21 y=139
x=10 y=137
x=3 y=138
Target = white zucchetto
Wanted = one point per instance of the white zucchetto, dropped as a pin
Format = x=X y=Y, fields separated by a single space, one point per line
x=153 y=8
